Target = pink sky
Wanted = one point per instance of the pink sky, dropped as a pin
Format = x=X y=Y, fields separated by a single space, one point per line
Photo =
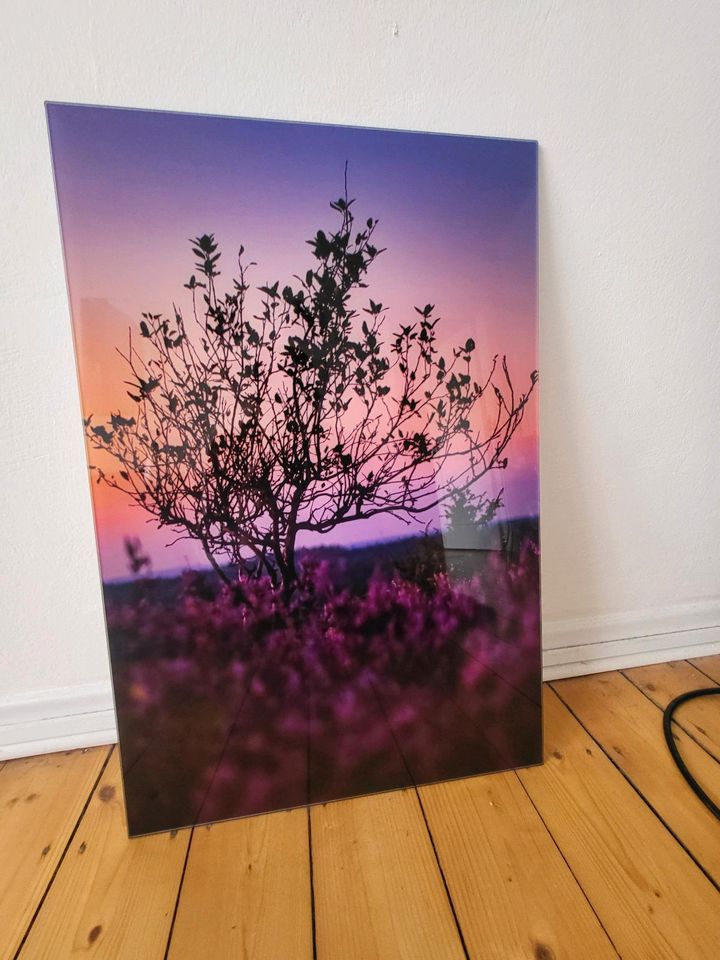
x=457 y=215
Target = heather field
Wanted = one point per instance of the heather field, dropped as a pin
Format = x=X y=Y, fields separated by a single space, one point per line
x=238 y=699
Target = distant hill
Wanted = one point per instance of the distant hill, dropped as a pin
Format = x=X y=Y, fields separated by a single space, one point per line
x=416 y=558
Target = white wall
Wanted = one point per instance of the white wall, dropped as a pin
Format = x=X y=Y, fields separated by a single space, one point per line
x=623 y=98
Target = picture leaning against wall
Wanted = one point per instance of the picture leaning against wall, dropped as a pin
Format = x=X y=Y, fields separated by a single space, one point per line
x=307 y=361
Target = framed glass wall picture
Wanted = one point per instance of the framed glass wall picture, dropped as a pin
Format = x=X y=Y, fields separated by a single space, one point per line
x=307 y=361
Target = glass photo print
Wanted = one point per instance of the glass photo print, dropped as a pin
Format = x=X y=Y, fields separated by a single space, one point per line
x=307 y=361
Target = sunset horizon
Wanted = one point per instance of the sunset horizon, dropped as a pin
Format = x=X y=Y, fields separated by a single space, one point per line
x=161 y=178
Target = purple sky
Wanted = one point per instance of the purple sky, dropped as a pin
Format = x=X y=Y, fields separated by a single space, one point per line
x=458 y=216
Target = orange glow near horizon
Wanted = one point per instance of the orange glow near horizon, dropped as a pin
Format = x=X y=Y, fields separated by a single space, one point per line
x=125 y=233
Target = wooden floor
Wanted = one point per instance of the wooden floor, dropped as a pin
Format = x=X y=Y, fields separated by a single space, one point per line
x=602 y=852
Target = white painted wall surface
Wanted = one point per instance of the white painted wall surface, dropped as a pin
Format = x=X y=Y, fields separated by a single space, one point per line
x=623 y=98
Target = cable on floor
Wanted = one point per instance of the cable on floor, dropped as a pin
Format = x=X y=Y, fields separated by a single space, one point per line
x=673 y=747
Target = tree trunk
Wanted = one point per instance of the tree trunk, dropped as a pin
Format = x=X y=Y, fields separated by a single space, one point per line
x=215 y=565
x=290 y=573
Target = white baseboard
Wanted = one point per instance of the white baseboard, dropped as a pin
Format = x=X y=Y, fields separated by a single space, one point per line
x=613 y=642
x=63 y=719
x=83 y=716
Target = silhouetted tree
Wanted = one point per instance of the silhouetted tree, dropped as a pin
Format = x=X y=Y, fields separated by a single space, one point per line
x=252 y=428
x=137 y=560
x=467 y=512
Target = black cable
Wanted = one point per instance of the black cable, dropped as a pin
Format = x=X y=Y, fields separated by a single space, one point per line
x=673 y=747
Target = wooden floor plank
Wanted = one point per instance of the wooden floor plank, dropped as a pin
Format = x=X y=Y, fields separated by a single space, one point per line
x=247 y=891
x=112 y=897
x=662 y=682
x=709 y=666
x=378 y=890
x=41 y=799
x=512 y=890
x=649 y=895
x=629 y=727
